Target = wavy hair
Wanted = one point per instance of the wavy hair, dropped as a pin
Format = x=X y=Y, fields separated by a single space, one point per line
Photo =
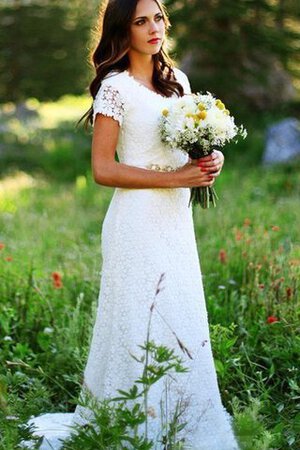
x=111 y=52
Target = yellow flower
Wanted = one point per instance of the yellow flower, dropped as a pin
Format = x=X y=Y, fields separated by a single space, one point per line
x=201 y=106
x=202 y=115
x=220 y=104
x=165 y=112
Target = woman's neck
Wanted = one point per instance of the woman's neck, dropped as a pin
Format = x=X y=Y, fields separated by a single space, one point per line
x=141 y=68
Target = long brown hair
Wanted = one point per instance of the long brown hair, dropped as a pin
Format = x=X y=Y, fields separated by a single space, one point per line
x=111 y=52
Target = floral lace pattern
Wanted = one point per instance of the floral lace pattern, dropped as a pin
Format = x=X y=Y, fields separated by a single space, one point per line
x=147 y=232
x=109 y=103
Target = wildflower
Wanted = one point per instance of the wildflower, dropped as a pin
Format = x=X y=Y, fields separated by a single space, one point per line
x=56 y=276
x=202 y=115
x=201 y=106
x=223 y=256
x=2 y=245
x=247 y=222
x=220 y=104
x=57 y=281
x=8 y=258
x=239 y=235
x=48 y=330
x=261 y=286
x=58 y=284
x=289 y=292
x=272 y=319
x=275 y=228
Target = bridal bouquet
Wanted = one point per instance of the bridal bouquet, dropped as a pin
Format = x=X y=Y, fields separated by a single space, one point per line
x=198 y=124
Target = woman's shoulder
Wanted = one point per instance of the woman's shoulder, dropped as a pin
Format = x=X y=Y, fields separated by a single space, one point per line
x=115 y=79
x=182 y=78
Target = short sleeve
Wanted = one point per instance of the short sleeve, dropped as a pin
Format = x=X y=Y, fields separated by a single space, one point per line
x=183 y=80
x=187 y=86
x=108 y=102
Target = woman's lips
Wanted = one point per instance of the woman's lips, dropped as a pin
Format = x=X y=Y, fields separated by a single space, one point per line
x=154 y=41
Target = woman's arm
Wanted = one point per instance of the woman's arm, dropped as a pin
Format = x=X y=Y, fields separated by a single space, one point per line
x=108 y=172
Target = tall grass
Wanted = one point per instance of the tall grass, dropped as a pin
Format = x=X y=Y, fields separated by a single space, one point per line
x=50 y=264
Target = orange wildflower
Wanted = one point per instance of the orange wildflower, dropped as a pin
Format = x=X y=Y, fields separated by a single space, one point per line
x=239 y=235
x=8 y=258
x=223 y=256
x=2 y=245
x=247 y=222
x=275 y=228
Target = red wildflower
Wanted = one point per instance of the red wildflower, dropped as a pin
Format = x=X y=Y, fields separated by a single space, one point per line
x=289 y=292
x=8 y=258
x=58 y=284
x=272 y=319
x=2 y=245
x=57 y=281
x=261 y=286
x=56 y=276
x=223 y=256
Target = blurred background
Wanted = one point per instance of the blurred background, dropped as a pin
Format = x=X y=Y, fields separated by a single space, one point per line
x=246 y=52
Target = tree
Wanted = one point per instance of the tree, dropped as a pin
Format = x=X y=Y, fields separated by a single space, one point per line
x=239 y=48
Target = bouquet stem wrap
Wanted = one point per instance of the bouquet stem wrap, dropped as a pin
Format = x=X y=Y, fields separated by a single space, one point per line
x=203 y=196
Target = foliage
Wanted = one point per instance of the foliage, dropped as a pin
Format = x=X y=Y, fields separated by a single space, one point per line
x=50 y=259
x=238 y=47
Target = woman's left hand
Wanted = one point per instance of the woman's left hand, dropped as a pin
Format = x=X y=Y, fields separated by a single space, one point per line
x=212 y=164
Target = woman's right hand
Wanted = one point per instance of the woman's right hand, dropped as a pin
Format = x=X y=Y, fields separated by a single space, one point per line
x=190 y=175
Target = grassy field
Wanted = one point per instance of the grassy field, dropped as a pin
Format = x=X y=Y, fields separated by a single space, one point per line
x=50 y=263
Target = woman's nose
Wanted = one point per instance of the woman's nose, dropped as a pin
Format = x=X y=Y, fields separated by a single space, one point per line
x=153 y=27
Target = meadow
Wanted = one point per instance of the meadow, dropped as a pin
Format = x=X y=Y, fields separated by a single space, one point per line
x=51 y=213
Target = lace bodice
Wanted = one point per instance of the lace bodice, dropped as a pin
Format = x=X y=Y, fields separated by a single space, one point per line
x=137 y=110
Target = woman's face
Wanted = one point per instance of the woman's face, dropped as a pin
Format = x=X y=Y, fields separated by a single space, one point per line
x=147 y=24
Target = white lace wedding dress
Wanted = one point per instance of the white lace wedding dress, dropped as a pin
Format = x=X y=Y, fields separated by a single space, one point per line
x=147 y=233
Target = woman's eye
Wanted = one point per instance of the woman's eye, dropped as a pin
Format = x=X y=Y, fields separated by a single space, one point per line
x=141 y=22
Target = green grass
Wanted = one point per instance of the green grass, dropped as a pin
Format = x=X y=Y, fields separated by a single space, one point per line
x=250 y=258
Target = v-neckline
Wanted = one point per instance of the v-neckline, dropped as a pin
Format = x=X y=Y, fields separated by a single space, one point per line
x=143 y=86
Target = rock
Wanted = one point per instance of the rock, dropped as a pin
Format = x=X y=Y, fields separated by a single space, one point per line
x=282 y=142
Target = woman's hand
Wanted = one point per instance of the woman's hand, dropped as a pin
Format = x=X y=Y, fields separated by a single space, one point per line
x=190 y=175
x=211 y=164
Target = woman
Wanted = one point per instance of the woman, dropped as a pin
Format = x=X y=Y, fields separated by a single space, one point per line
x=148 y=230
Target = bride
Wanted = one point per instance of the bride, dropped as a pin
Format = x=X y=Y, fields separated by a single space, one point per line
x=148 y=231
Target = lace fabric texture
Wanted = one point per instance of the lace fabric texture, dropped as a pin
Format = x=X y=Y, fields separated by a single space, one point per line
x=109 y=103
x=147 y=233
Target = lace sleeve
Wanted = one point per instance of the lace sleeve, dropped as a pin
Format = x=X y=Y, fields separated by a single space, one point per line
x=109 y=102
